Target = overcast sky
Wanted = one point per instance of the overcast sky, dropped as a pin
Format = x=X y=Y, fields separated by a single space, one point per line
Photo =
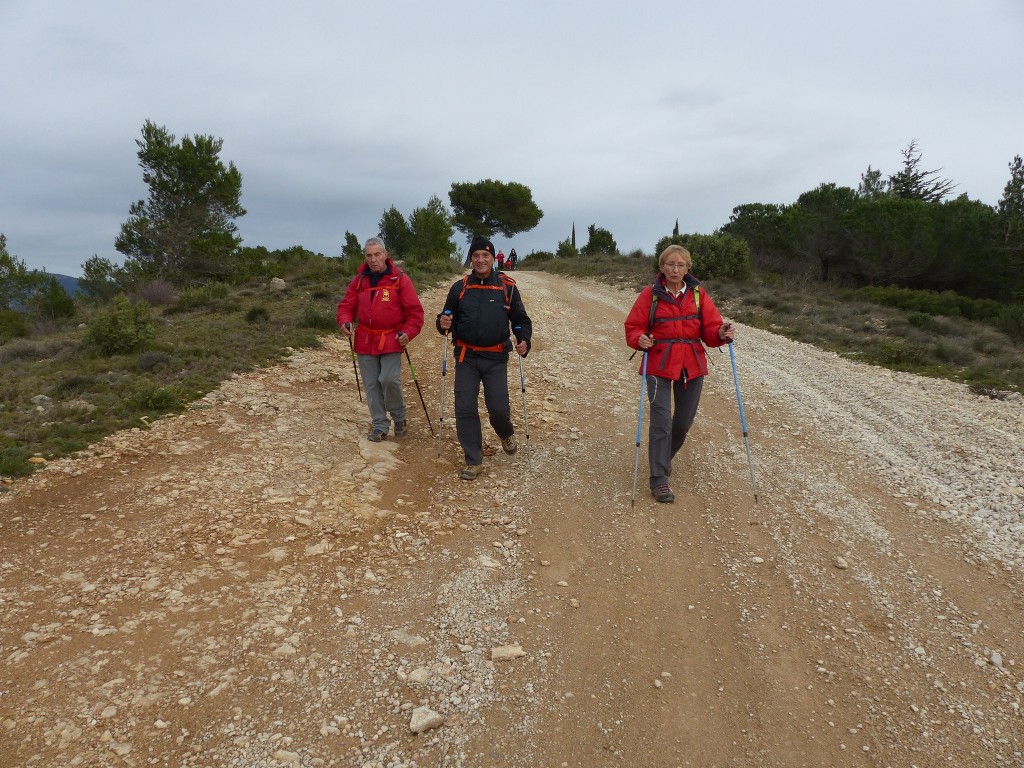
x=624 y=114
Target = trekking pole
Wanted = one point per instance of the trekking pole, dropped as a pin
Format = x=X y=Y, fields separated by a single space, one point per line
x=743 y=420
x=444 y=386
x=639 y=427
x=355 y=368
x=526 y=423
x=417 y=383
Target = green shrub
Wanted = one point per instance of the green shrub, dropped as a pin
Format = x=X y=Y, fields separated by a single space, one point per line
x=930 y=302
x=148 y=361
x=53 y=301
x=35 y=349
x=539 y=256
x=718 y=255
x=12 y=325
x=1011 y=322
x=923 y=321
x=75 y=384
x=313 y=316
x=158 y=399
x=14 y=462
x=121 y=327
x=257 y=314
x=204 y=295
x=896 y=352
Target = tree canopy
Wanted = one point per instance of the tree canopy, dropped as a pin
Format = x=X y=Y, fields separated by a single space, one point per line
x=431 y=232
x=489 y=206
x=17 y=282
x=912 y=183
x=186 y=228
x=394 y=231
x=600 y=241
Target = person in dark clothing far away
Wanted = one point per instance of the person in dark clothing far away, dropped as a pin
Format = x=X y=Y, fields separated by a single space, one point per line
x=481 y=310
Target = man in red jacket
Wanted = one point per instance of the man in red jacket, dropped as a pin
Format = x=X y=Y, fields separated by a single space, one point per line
x=383 y=301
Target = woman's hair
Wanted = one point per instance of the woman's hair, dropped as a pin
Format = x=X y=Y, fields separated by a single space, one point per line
x=672 y=250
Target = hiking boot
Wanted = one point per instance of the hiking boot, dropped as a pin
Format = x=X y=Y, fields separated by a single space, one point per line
x=470 y=471
x=509 y=444
x=663 y=494
x=376 y=436
x=401 y=427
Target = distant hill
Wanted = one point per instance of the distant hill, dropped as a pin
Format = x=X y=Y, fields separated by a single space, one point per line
x=70 y=284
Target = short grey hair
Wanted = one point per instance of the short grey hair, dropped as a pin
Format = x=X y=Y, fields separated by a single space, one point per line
x=375 y=241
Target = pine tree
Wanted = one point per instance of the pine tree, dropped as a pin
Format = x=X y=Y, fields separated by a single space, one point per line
x=912 y=183
x=1011 y=205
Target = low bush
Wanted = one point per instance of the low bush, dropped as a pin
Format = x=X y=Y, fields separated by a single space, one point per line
x=930 y=302
x=148 y=361
x=257 y=314
x=1011 y=322
x=13 y=325
x=205 y=295
x=156 y=293
x=158 y=399
x=313 y=316
x=121 y=327
x=14 y=462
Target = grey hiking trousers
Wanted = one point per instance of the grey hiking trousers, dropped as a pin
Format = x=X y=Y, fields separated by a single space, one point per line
x=667 y=431
x=382 y=380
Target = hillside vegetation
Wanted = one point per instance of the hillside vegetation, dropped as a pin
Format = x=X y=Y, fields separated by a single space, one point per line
x=66 y=386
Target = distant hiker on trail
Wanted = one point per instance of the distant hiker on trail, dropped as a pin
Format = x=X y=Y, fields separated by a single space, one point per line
x=480 y=311
x=670 y=322
x=383 y=300
x=512 y=259
x=501 y=259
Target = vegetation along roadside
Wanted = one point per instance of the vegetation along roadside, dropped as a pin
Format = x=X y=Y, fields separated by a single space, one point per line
x=891 y=274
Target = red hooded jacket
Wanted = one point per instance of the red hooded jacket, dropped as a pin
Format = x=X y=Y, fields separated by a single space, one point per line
x=679 y=329
x=383 y=310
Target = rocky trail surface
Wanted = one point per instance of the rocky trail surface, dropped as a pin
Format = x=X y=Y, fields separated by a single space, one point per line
x=252 y=583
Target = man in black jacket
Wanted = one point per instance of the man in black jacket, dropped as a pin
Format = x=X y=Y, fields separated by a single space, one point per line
x=480 y=311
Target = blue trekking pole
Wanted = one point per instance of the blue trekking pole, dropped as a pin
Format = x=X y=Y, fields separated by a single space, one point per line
x=743 y=420
x=526 y=423
x=639 y=427
x=444 y=385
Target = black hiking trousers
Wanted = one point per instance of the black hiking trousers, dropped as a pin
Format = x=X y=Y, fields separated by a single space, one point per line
x=473 y=371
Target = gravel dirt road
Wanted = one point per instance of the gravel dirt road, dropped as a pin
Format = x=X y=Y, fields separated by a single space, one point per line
x=252 y=583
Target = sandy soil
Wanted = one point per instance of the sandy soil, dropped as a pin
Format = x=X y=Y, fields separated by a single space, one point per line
x=252 y=583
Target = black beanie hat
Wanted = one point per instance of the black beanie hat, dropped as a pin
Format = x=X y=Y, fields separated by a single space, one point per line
x=480 y=244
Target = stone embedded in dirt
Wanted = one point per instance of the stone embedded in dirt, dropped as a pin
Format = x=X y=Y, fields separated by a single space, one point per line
x=507 y=652
x=840 y=563
x=285 y=757
x=424 y=719
x=420 y=675
x=401 y=636
x=757 y=560
x=285 y=650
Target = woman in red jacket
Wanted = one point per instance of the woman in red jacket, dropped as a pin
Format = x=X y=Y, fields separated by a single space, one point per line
x=383 y=300
x=670 y=322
